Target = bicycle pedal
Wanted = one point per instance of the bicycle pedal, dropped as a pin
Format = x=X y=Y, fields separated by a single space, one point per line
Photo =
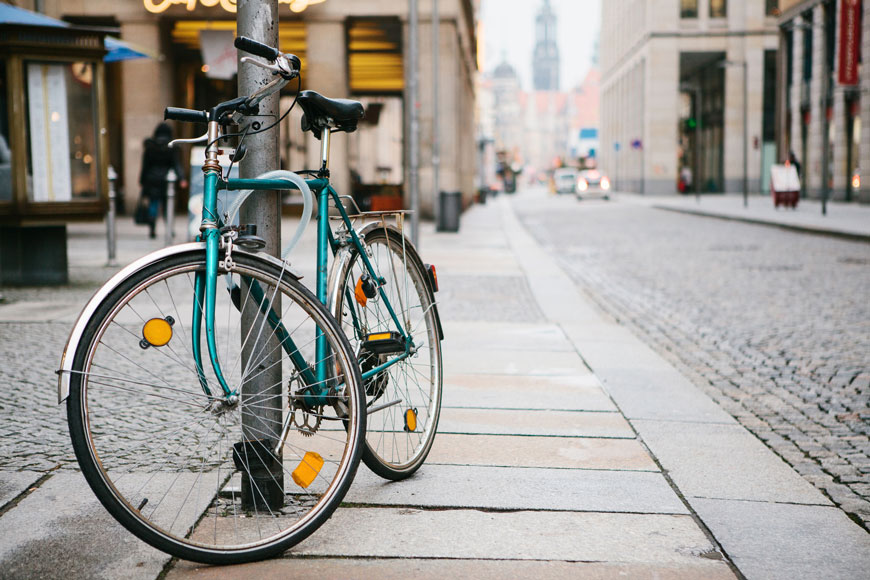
x=384 y=343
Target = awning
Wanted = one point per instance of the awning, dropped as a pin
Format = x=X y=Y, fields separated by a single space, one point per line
x=118 y=50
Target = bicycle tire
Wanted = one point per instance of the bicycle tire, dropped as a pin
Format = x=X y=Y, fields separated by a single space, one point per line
x=393 y=451
x=167 y=461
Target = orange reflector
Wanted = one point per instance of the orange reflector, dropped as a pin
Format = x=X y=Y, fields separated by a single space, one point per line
x=307 y=470
x=157 y=331
x=360 y=294
x=411 y=420
x=380 y=336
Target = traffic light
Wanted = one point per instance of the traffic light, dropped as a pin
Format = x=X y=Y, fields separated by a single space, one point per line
x=690 y=124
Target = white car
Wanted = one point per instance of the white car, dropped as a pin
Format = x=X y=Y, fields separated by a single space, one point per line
x=565 y=180
x=592 y=183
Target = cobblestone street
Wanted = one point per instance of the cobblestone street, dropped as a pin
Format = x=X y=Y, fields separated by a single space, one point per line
x=774 y=325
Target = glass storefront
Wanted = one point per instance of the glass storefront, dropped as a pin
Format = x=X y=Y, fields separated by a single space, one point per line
x=61 y=131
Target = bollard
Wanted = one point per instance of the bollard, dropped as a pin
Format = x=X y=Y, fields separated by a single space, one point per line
x=111 y=230
x=171 y=178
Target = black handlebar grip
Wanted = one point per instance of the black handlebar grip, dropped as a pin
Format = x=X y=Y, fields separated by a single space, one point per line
x=256 y=48
x=185 y=115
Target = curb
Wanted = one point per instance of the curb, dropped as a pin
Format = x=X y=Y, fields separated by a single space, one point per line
x=853 y=236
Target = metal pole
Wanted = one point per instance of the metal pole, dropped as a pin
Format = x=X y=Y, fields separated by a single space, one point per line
x=436 y=132
x=413 y=152
x=171 y=179
x=261 y=414
x=111 y=227
x=698 y=115
x=745 y=133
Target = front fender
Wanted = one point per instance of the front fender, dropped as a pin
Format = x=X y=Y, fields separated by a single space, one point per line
x=75 y=336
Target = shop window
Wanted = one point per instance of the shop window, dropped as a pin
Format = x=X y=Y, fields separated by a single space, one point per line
x=61 y=131
x=688 y=8
x=718 y=8
x=374 y=55
x=5 y=150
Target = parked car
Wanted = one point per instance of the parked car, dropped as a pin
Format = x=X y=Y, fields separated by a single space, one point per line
x=565 y=180
x=593 y=183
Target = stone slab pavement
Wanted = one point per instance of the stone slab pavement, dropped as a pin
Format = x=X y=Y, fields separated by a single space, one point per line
x=567 y=449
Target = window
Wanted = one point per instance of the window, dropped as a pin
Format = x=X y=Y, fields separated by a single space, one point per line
x=718 y=8
x=771 y=7
x=61 y=111
x=688 y=8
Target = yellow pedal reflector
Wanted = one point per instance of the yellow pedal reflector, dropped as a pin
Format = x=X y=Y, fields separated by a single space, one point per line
x=158 y=331
x=411 y=420
x=307 y=470
x=380 y=336
x=360 y=294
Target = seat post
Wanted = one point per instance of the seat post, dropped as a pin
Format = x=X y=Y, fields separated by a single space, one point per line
x=324 y=149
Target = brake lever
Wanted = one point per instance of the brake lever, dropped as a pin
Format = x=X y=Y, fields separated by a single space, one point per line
x=271 y=67
x=199 y=139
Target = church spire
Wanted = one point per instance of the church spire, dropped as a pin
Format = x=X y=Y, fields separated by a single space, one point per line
x=546 y=56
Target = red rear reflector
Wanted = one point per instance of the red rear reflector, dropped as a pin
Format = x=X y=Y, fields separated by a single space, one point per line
x=433 y=276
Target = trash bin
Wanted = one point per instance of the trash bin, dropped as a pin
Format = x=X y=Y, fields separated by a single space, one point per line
x=449 y=206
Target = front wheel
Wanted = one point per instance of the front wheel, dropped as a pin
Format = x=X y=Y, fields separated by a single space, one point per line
x=403 y=400
x=200 y=475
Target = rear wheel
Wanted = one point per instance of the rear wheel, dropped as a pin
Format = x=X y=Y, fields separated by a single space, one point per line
x=403 y=400
x=199 y=476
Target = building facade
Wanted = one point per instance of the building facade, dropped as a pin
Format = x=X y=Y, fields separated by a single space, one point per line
x=677 y=76
x=822 y=98
x=349 y=49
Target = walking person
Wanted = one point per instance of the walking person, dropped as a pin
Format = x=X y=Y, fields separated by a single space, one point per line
x=157 y=159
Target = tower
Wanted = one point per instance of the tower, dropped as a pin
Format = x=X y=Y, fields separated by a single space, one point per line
x=546 y=57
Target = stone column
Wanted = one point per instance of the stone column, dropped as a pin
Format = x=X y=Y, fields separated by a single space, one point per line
x=662 y=114
x=815 y=148
x=840 y=143
x=146 y=90
x=325 y=71
x=795 y=96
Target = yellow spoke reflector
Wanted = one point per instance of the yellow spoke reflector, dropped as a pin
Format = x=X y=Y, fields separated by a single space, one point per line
x=307 y=469
x=411 y=420
x=157 y=332
x=360 y=294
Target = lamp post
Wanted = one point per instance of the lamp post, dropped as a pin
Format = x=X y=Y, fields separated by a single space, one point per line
x=743 y=63
x=413 y=122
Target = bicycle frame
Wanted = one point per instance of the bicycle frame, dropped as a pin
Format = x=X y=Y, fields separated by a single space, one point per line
x=316 y=388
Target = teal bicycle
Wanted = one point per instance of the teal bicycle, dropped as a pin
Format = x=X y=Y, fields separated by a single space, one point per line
x=217 y=407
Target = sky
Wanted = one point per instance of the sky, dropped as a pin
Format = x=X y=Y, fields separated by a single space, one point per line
x=509 y=30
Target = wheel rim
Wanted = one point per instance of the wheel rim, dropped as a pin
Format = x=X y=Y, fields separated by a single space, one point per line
x=164 y=450
x=416 y=380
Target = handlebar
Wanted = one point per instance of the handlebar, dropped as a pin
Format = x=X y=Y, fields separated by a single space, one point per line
x=185 y=115
x=256 y=48
x=285 y=68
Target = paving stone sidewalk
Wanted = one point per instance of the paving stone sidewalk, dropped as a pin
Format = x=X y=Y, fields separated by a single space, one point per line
x=566 y=449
